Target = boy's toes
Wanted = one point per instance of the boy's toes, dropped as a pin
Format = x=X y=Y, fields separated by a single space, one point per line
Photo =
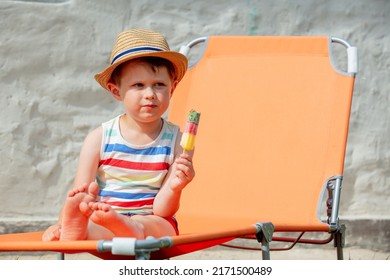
x=85 y=209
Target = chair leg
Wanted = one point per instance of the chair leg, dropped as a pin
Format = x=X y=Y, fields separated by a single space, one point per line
x=339 y=241
x=60 y=256
x=264 y=236
x=265 y=254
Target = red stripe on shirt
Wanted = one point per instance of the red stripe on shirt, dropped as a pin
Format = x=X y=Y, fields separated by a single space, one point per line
x=135 y=165
x=127 y=204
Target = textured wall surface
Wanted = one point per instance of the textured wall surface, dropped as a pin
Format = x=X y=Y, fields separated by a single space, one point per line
x=50 y=51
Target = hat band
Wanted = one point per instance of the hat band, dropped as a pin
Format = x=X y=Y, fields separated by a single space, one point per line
x=135 y=50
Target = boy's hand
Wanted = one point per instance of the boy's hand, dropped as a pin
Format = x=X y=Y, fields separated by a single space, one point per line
x=183 y=172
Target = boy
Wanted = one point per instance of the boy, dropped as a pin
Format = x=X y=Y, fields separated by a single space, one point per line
x=131 y=170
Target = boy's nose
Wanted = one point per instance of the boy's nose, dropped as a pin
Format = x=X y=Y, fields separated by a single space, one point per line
x=149 y=93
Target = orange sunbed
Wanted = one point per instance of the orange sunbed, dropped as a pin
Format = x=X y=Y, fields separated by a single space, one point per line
x=270 y=146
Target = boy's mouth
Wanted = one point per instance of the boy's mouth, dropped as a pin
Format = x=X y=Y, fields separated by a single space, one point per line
x=149 y=106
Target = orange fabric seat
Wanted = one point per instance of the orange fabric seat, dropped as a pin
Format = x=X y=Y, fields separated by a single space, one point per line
x=273 y=130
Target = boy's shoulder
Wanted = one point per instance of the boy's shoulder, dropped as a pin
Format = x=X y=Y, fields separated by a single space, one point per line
x=172 y=127
x=170 y=124
x=111 y=121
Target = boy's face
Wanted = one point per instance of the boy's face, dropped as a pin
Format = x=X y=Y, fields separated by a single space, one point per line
x=144 y=90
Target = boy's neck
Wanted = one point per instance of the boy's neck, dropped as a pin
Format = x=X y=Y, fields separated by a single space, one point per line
x=139 y=133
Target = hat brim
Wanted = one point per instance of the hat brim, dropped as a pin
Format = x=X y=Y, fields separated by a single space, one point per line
x=178 y=60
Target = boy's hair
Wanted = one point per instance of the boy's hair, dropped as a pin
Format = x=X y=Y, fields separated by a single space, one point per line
x=154 y=62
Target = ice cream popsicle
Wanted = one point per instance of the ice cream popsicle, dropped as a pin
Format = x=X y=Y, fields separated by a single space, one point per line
x=188 y=138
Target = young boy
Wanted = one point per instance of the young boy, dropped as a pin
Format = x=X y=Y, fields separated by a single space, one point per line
x=131 y=170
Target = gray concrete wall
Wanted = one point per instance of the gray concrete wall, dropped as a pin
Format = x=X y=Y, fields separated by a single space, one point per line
x=50 y=51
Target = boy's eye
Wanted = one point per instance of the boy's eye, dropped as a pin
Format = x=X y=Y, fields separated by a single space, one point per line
x=159 y=84
x=138 y=85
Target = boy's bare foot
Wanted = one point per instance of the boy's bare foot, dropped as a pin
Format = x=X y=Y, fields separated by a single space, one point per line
x=118 y=224
x=52 y=233
x=75 y=221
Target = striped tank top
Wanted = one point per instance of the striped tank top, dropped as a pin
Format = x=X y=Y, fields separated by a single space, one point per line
x=130 y=176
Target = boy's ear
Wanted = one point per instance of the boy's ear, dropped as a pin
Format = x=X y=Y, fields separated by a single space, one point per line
x=114 y=90
x=174 y=84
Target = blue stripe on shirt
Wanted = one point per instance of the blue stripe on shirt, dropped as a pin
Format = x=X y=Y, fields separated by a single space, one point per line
x=163 y=150
x=103 y=193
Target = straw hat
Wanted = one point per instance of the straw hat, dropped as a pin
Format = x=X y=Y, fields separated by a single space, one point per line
x=137 y=43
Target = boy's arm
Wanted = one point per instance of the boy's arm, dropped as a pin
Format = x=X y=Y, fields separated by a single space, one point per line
x=180 y=173
x=89 y=158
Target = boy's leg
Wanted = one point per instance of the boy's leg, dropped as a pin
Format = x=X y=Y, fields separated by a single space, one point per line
x=137 y=226
x=155 y=226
